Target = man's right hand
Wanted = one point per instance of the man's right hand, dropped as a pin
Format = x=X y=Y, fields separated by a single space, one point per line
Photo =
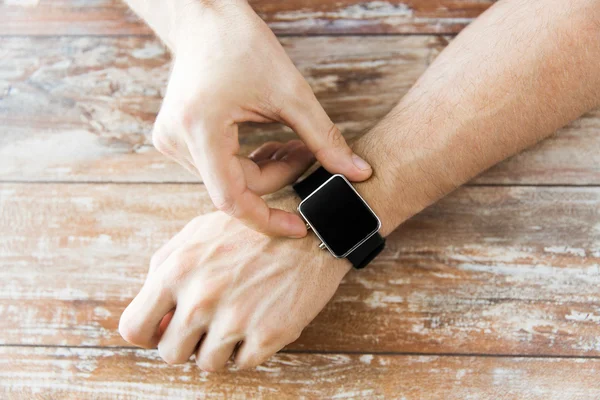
x=230 y=68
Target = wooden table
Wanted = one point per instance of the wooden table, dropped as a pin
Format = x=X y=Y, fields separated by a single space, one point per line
x=491 y=294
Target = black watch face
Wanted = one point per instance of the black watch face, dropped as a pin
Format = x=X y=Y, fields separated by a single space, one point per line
x=339 y=216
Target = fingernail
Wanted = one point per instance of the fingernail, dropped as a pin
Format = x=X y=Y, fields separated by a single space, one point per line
x=360 y=163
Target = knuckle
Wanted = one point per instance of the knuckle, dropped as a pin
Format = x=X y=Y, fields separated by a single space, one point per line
x=231 y=324
x=269 y=338
x=129 y=330
x=169 y=355
x=301 y=89
x=231 y=203
x=156 y=259
x=164 y=285
x=301 y=96
x=183 y=256
x=244 y=362
x=293 y=337
x=207 y=364
x=197 y=221
x=161 y=142
x=211 y=361
x=263 y=346
x=226 y=204
x=173 y=123
x=181 y=262
x=165 y=280
x=221 y=249
x=250 y=359
x=270 y=104
x=198 y=314
x=335 y=145
x=186 y=117
x=180 y=116
x=334 y=137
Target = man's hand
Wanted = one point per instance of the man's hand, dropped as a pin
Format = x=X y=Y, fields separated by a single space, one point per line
x=230 y=285
x=229 y=68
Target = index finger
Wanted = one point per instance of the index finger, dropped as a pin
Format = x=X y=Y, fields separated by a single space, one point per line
x=223 y=175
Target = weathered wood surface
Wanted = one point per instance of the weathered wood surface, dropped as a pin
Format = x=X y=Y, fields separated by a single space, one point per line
x=112 y=17
x=133 y=374
x=502 y=272
x=81 y=109
x=493 y=270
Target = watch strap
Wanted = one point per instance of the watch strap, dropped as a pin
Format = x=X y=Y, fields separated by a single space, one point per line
x=367 y=251
x=312 y=182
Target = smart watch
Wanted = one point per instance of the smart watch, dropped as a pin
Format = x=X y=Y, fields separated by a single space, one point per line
x=340 y=217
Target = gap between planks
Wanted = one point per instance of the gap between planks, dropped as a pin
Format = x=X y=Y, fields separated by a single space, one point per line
x=325 y=352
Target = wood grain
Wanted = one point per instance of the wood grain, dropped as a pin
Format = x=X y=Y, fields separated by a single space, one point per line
x=136 y=374
x=81 y=109
x=475 y=288
x=494 y=270
x=322 y=17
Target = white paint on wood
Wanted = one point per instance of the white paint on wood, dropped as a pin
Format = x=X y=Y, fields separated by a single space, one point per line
x=565 y=250
x=582 y=317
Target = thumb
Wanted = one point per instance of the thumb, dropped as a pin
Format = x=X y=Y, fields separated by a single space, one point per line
x=323 y=138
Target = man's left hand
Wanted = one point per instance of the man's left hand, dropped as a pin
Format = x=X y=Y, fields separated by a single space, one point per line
x=219 y=287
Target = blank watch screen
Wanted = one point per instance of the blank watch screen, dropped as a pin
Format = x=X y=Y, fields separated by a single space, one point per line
x=339 y=216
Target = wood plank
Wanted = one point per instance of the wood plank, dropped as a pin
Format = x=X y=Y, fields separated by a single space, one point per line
x=495 y=270
x=81 y=109
x=322 y=17
x=78 y=373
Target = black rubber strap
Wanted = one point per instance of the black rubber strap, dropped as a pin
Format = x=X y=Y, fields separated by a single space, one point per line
x=363 y=254
x=312 y=182
x=366 y=252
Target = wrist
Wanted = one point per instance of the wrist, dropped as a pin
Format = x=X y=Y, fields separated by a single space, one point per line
x=418 y=156
x=287 y=200
x=198 y=18
x=397 y=190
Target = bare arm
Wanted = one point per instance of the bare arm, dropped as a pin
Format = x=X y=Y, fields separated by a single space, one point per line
x=514 y=76
x=162 y=17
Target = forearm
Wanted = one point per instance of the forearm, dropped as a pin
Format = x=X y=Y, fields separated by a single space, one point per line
x=161 y=16
x=170 y=19
x=517 y=74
